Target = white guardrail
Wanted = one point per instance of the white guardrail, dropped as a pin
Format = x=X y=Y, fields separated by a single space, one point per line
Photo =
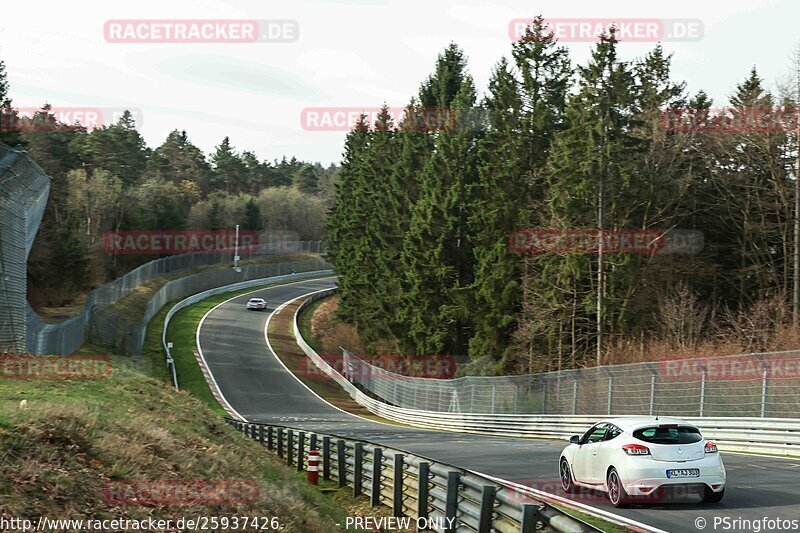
x=193 y=299
x=780 y=436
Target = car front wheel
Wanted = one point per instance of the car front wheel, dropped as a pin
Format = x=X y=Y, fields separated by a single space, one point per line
x=566 y=477
x=616 y=492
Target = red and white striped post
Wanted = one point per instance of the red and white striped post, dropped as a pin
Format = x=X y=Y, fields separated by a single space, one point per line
x=312 y=471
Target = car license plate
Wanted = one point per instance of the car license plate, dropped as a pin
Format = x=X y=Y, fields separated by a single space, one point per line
x=684 y=472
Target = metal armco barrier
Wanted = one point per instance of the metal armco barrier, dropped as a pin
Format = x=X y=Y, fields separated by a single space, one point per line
x=748 y=434
x=194 y=298
x=429 y=494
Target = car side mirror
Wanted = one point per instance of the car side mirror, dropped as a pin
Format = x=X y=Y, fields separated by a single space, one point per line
x=575 y=439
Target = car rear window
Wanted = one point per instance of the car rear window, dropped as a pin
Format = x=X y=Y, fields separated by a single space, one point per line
x=669 y=434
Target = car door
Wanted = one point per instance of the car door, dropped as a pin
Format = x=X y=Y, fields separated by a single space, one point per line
x=584 y=465
x=605 y=452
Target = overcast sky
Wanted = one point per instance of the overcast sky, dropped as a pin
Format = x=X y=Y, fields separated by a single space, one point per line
x=350 y=54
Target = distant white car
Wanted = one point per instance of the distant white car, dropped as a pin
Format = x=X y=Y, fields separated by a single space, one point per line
x=257 y=304
x=637 y=456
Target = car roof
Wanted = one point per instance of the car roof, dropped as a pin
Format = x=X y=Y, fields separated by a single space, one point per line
x=257 y=299
x=631 y=423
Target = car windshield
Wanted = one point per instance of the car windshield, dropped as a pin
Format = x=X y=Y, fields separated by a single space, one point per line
x=669 y=434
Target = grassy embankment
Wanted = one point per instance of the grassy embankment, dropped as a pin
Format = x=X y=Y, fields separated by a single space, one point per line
x=77 y=436
x=74 y=438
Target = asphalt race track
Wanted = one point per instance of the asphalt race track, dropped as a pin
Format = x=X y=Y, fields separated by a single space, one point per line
x=258 y=387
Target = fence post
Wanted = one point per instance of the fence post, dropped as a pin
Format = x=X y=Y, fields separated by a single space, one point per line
x=544 y=394
x=301 y=449
x=487 y=509
x=649 y=367
x=280 y=443
x=312 y=441
x=326 y=458
x=575 y=396
x=289 y=447
x=610 y=387
x=652 y=393
x=494 y=392
x=451 y=505
x=422 y=489
x=702 y=391
x=377 y=463
x=530 y=518
x=261 y=435
x=270 y=438
x=397 y=485
x=764 y=385
x=358 y=464
x=341 y=462
x=471 y=397
x=516 y=398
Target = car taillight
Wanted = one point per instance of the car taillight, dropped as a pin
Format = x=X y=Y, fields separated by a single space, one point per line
x=711 y=447
x=636 y=449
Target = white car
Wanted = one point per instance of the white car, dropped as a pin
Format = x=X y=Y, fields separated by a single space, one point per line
x=257 y=304
x=639 y=456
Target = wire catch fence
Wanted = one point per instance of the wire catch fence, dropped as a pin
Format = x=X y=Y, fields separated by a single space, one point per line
x=748 y=385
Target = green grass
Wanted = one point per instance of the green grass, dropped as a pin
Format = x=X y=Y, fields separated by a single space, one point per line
x=304 y=323
x=283 y=340
x=601 y=524
x=76 y=436
x=182 y=332
x=152 y=352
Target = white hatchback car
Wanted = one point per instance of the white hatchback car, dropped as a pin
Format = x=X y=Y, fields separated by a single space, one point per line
x=637 y=456
x=257 y=304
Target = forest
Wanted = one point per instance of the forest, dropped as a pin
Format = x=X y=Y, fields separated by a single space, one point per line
x=106 y=178
x=419 y=231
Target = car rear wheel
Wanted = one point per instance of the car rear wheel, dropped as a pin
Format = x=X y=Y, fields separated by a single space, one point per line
x=616 y=492
x=709 y=496
x=566 y=477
